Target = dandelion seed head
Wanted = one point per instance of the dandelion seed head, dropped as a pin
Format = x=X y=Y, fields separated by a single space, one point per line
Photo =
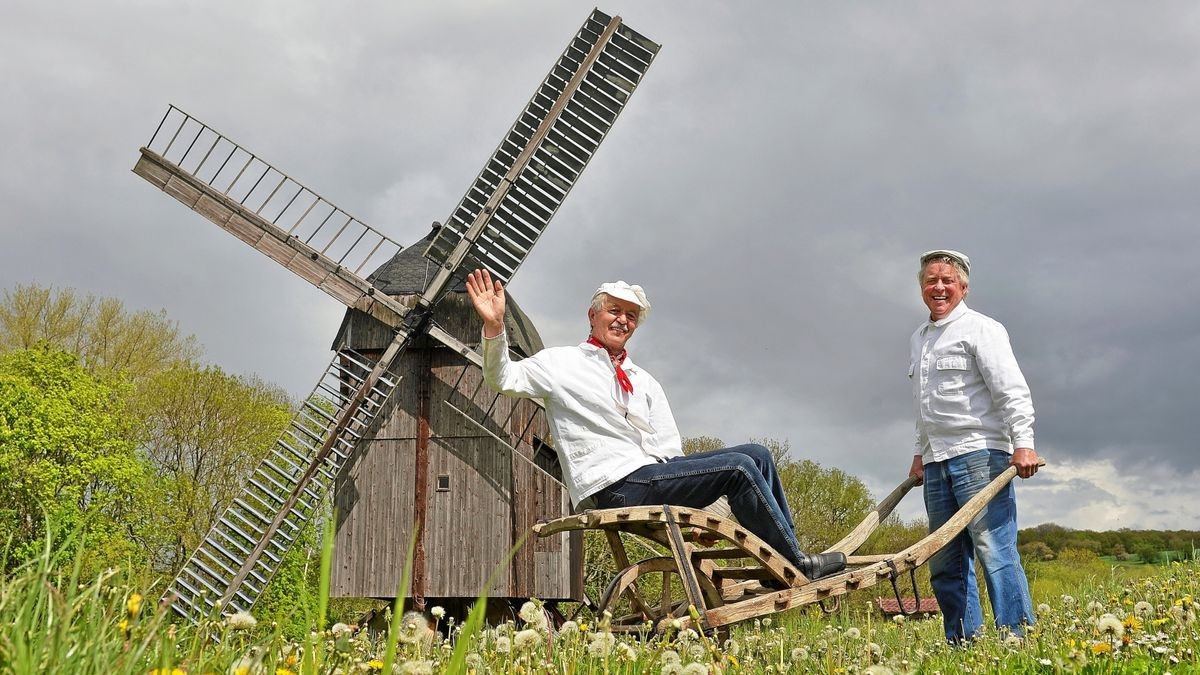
x=240 y=621
x=1109 y=624
x=695 y=669
x=625 y=652
x=438 y=612
x=503 y=645
x=669 y=656
x=417 y=668
x=800 y=654
x=569 y=628
x=853 y=633
x=527 y=640
x=1043 y=608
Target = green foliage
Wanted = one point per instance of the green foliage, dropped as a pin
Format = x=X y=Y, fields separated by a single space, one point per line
x=65 y=458
x=108 y=339
x=203 y=431
x=1142 y=545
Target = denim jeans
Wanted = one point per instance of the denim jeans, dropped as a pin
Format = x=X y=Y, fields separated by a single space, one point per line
x=745 y=474
x=992 y=535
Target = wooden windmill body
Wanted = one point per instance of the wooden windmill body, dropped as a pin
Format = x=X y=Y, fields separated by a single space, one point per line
x=399 y=425
x=473 y=483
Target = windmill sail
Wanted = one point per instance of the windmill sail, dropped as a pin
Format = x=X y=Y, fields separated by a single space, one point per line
x=283 y=493
x=539 y=160
x=266 y=208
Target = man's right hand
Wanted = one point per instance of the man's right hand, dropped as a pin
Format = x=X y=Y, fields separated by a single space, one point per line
x=917 y=470
x=488 y=298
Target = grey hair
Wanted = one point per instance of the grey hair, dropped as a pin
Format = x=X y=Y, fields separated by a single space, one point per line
x=964 y=277
x=598 y=305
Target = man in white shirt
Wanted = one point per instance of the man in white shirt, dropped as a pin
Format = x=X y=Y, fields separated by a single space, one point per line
x=974 y=420
x=613 y=430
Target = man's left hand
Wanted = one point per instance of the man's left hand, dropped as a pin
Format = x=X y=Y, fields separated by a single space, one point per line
x=1026 y=461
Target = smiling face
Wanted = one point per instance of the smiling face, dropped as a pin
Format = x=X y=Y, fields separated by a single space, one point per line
x=614 y=322
x=941 y=289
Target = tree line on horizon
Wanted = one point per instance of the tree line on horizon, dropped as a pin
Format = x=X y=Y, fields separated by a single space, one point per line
x=1048 y=541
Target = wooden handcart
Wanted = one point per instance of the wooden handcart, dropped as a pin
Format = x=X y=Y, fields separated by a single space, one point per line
x=652 y=593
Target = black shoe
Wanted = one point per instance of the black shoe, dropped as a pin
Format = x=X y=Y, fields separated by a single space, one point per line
x=817 y=565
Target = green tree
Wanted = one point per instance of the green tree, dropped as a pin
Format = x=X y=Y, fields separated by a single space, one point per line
x=203 y=431
x=107 y=338
x=65 y=458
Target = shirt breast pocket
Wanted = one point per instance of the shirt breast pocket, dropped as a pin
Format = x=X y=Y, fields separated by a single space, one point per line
x=952 y=370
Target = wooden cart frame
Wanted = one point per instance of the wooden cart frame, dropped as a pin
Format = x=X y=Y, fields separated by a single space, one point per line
x=650 y=594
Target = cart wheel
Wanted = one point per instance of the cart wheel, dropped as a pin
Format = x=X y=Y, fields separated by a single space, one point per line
x=652 y=592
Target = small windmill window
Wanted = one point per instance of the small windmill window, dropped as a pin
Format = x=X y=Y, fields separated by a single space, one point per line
x=443 y=483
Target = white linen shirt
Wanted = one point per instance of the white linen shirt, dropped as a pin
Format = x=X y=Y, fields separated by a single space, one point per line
x=601 y=433
x=968 y=389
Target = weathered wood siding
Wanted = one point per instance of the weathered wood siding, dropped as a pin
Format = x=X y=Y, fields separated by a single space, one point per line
x=490 y=499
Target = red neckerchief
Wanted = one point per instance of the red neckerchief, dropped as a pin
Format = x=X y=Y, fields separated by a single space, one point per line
x=617 y=360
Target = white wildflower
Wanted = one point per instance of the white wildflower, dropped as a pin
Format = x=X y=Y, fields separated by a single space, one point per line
x=1013 y=642
x=626 y=652
x=417 y=668
x=1095 y=607
x=899 y=618
x=339 y=629
x=1068 y=601
x=569 y=628
x=695 y=669
x=732 y=647
x=602 y=644
x=669 y=656
x=474 y=662
x=1143 y=609
x=527 y=640
x=1043 y=608
x=853 y=633
x=1110 y=624
x=438 y=612
x=800 y=654
x=240 y=621
x=503 y=645
x=533 y=614
x=671 y=669
x=697 y=652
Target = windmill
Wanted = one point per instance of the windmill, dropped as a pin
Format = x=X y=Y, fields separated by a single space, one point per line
x=500 y=218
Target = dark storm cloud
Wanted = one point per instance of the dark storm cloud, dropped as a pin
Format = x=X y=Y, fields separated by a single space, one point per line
x=770 y=184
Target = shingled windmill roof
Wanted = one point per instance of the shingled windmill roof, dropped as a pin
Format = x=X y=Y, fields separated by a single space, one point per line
x=406 y=275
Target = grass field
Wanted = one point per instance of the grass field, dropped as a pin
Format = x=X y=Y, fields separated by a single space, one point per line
x=1092 y=617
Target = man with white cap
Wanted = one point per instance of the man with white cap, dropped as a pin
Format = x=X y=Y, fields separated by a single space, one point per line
x=614 y=433
x=974 y=420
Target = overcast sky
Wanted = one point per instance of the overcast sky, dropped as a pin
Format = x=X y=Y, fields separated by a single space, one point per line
x=771 y=184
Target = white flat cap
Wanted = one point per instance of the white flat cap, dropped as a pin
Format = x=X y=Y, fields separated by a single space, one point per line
x=626 y=292
x=949 y=253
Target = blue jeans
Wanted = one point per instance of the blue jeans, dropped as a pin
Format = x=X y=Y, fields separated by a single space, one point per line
x=992 y=535
x=744 y=474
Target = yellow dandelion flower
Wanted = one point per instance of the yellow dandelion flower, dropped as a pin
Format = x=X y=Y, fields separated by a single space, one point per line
x=292 y=660
x=241 y=670
x=375 y=664
x=124 y=625
x=1159 y=622
x=1128 y=601
x=283 y=671
x=134 y=604
x=1131 y=622
x=1101 y=648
